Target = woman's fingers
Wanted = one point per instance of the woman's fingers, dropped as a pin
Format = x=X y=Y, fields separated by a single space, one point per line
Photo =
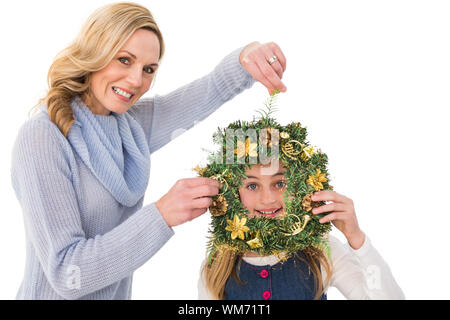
x=201 y=203
x=279 y=54
x=256 y=73
x=276 y=65
x=268 y=72
x=256 y=60
x=203 y=191
x=195 y=213
x=199 y=181
x=187 y=199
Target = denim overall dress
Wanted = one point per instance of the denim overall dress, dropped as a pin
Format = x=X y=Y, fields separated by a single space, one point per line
x=289 y=280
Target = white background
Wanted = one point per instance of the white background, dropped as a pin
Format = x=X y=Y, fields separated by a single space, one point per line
x=370 y=80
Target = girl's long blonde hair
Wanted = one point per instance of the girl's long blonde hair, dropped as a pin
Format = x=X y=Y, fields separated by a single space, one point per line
x=223 y=266
x=101 y=37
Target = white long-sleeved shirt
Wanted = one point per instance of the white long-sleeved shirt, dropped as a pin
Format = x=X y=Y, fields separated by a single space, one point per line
x=360 y=274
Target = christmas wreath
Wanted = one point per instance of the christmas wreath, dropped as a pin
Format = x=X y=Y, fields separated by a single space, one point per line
x=243 y=144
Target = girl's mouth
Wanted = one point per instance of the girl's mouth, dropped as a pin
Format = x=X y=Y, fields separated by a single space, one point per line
x=269 y=214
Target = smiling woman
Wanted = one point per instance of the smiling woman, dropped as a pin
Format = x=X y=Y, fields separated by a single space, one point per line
x=81 y=166
x=91 y=66
x=126 y=78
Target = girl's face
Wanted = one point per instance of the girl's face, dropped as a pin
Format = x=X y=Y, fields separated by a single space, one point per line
x=263 y=190
x=127 y=77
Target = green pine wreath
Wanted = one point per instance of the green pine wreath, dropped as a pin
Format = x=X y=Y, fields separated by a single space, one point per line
x=306 y=173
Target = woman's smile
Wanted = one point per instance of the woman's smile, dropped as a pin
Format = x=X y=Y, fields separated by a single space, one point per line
x=123 y=94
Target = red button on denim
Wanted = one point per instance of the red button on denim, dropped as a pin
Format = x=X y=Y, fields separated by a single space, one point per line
x=266 y=294
x=264 y=273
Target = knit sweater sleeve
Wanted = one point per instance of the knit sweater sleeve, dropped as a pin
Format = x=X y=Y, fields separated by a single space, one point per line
x=163 y=118
x=74 y=265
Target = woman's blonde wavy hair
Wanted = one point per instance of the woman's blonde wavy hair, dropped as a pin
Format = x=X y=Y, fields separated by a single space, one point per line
x=101 y=37
x=224 y=261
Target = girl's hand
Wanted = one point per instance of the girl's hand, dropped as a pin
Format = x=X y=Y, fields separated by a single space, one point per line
x=255 y=59
x=341 y=214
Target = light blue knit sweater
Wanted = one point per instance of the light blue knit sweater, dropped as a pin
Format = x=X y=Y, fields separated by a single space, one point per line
x=82 y=197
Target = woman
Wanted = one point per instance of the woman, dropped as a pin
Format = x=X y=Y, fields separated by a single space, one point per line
x=80 y=167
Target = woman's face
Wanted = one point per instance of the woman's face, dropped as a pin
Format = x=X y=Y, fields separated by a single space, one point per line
x=127 y=77
x=263 y=190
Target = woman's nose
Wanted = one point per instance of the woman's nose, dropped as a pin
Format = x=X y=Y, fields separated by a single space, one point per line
x=135 y=78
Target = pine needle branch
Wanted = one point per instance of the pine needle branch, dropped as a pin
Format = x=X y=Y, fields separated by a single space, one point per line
x=270 y=107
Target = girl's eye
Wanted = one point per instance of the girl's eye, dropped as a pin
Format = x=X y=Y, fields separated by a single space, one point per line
x=251 y=186
x=281 y=184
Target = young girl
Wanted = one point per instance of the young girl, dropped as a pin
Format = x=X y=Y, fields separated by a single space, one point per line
x=275 y=243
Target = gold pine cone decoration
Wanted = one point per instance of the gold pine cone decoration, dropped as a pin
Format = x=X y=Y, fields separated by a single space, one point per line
x=219 y=206
x=308 y=204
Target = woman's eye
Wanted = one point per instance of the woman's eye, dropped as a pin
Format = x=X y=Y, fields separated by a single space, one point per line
x=251 y=186
x=124 y=60
x=149 y=70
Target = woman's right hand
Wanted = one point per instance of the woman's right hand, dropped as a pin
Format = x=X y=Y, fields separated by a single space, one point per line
x=255 y=58
x=187 y=199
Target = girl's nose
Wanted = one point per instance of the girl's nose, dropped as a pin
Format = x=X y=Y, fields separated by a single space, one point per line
x=268 y=196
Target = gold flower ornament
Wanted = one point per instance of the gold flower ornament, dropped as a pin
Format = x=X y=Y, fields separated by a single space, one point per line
x=237 y=227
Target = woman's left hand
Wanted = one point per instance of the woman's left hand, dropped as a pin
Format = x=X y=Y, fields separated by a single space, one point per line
x=341 y=214
x=266 y=63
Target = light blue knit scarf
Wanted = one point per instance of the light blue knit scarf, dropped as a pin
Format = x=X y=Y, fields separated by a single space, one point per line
x=114 y=148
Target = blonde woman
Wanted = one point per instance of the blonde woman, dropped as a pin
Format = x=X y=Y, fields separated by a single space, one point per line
x=80 y=166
